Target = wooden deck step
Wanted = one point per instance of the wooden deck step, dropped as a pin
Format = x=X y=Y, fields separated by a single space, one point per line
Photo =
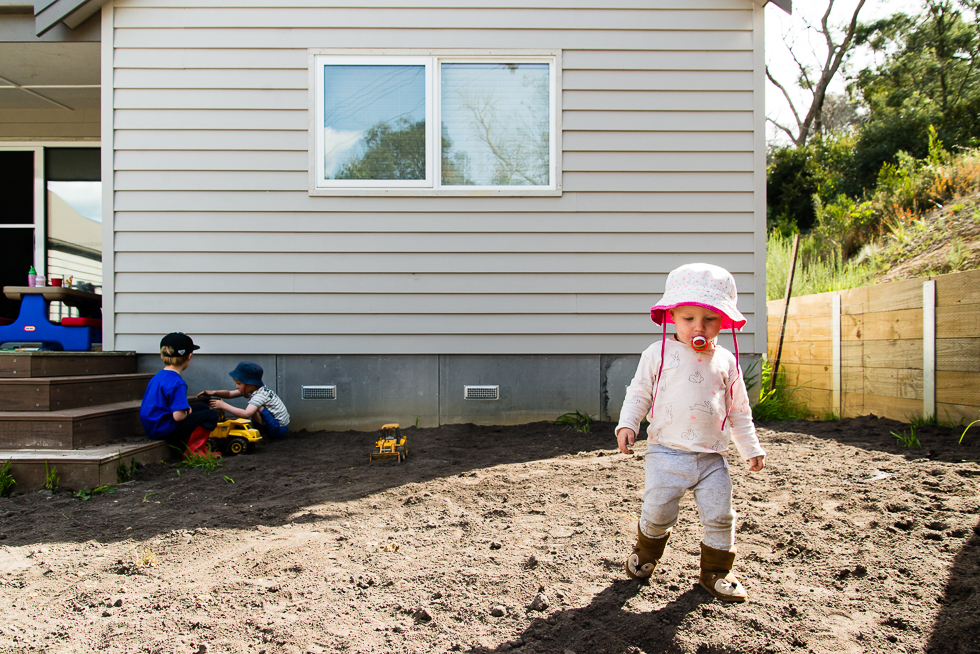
x=77 y=469
x=53 y=393
x=70 y=429
x=56 y=364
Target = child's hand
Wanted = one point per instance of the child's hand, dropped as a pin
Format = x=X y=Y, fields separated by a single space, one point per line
x=216 y=403
x=625 y=437
x=204 y=394
x=756 y=463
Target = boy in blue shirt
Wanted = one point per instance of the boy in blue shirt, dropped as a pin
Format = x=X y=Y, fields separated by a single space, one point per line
x=264 y=407
x=165 y=412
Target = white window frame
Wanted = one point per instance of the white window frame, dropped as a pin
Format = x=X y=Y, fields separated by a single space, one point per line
x=432 y=59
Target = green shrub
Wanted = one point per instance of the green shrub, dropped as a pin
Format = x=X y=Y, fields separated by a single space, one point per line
x=778 y=402
x=51 y=478
x=6 y=480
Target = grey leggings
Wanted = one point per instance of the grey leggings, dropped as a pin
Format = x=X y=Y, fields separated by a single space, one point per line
x=669 y=474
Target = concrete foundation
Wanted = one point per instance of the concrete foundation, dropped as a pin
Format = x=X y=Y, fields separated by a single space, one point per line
x=427 y=390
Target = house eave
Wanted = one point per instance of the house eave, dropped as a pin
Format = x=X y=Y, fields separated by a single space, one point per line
x=49 y=13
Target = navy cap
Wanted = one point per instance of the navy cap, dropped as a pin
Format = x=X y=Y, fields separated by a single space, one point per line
x=180 y=342
x=248 y=373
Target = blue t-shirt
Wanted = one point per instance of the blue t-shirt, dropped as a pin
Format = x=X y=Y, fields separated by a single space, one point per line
x=166 y=393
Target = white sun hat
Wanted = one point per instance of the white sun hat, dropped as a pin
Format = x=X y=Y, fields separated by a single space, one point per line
x=703 y=285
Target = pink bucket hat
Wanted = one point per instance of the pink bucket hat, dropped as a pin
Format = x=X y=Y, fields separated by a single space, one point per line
x=703 y=285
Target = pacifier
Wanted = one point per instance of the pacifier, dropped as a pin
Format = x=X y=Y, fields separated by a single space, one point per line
x=699 y=343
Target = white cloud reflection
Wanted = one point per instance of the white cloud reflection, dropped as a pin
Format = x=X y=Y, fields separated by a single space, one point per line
x=336 y=145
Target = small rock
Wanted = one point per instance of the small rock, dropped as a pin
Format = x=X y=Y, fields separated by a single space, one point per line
x=532 y=561
x=539 y=603
x=106 y=613
x=118 y=602
x=202 y=649
x=495 y=545
x=436 y=595
x=422 y=615
x=498 y=611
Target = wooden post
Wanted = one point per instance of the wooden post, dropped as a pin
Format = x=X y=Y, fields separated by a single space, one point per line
x=835 y=382
x=929 y=349
x=789 y=294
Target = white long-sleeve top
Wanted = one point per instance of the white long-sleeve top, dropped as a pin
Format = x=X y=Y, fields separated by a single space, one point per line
x=692 y=401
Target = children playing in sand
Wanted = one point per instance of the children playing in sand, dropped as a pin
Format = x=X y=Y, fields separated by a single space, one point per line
x=165 y=412
x=264 y=407
x=694 y=393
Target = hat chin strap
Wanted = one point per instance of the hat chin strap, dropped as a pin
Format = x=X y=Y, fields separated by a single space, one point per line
x=731 y=389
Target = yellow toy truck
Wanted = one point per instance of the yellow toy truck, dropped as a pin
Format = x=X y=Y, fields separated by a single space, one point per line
x=391 y=445
x=234 y=436
x=231 y=436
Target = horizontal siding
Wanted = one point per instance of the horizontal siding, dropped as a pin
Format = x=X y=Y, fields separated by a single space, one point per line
x=394 y=303
x=210 y=176
x=411 y=245
x=431 y=19
x=410 y=263
x=626 y=40
x=626 y=162
x=271 y=201
x=284 y=58
x=395 y=222
x=427 y=284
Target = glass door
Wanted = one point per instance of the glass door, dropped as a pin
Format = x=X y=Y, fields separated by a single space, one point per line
x=21 y=218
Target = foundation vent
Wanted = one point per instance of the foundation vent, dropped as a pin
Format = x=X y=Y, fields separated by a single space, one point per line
x=481 y=392
x=320 y=392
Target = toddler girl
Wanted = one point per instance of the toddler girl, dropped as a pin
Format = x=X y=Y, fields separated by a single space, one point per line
x=696 y=399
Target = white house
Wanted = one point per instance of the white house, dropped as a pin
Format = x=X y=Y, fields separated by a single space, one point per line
x=430 y=211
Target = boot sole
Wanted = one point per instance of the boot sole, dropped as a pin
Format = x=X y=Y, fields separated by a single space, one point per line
x=724 y=598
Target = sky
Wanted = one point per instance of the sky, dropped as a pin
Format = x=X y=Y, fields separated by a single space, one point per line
x=782 y=28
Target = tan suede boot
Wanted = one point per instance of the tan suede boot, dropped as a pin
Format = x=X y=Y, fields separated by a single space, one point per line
x=646 y=554
x=716 y=575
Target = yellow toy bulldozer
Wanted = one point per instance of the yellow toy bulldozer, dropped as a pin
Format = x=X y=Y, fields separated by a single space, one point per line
x=391 y=445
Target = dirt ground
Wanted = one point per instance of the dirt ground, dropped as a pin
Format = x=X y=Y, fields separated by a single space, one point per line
x=492 y=539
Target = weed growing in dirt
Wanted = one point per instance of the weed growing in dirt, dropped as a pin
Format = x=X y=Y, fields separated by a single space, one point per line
x=124 y=473
x=6 y=480
x=776 y=403
x=51 y=478
x=229 y=479
x=963 y=435
x=208 y=461
x=149 y=495
x=578 y=421
x=145 y=558
x=87 y=494
x=909 y=439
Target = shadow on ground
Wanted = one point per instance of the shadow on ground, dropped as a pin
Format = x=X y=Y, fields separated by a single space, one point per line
x=956 y=628
x=607 y=626
x=873 y=433
x=275 y=484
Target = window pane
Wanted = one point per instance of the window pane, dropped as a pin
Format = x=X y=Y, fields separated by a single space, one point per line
x=495 y=124
x=373 y=122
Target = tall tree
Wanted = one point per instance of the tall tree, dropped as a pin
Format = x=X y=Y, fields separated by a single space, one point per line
x=838 y=42
x=928 y=73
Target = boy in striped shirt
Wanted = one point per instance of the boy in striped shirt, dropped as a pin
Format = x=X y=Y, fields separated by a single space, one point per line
x=264 y=407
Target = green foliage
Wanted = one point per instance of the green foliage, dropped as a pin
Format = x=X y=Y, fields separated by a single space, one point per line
x=390 y=153
x=208 y=461
x=87 y=494
x=908 y=439
x=7 y=482
x=963 y=435
x=51 y=478
x=578 y=421
x=819 y=268
x=229 y=479
x=123 y=472
x=778 y=402
x=926 y=73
